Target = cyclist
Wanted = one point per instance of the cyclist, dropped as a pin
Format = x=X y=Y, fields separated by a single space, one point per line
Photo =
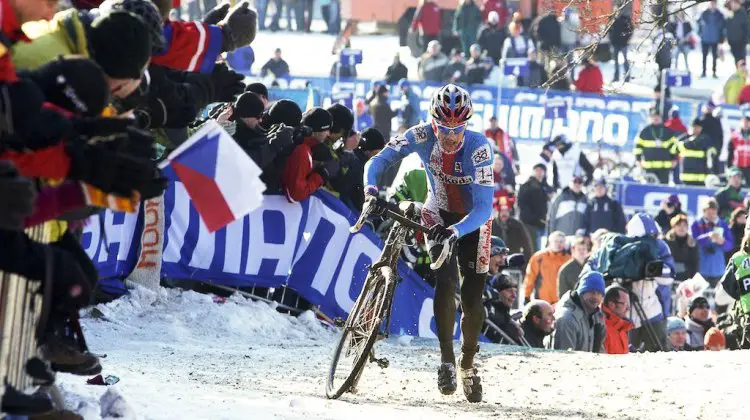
x=458 y=208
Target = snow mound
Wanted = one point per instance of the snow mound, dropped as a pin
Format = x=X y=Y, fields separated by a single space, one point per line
x=173 y=315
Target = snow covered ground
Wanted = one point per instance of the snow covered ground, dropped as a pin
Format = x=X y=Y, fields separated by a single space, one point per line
x=186 y=356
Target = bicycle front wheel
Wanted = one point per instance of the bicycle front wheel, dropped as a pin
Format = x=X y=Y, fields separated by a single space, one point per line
x=359 y=333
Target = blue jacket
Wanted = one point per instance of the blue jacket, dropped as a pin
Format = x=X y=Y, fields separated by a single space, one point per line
x=364 y=121
x=711 y=26
x=415 y=116
x=712 y=261
x=604 y=213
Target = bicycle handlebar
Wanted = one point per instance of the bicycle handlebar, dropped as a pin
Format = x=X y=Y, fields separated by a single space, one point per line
x=395 y=213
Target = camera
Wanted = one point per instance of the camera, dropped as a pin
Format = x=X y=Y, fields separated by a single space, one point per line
x=653 y=269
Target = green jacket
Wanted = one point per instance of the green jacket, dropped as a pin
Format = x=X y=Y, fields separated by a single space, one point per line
x=729 y=199
x=467 y=20
x=64 y=35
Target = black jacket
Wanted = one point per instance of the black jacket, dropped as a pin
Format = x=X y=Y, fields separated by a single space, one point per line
x=685 y=253
x=476 y=71
x=499 y=314
x=255 y=143
x=452 y=68
x=621 y=31
x=382 y=114
x=663 y=219
x=349 y=182
x=546 y=30
x=515 y=236
x=279 y=68
x=712 y=129
x=737 y=27
x=396 y=72
x=491 y=39
x=532 y=334
x=605 y=213
x=533 y=203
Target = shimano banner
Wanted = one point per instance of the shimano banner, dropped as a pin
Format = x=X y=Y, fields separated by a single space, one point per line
x=613 y=120
x=306 y=246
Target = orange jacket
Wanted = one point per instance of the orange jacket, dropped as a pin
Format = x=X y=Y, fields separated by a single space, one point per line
x=546 y=264
x=616 y=341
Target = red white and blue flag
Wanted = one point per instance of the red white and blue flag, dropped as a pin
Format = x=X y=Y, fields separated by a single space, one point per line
x=222 y=181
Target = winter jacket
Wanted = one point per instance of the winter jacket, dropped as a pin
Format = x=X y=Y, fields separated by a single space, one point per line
x=515 y=236
x=738 y=232
x=64 y=35
x=547 y=32
x=737 y=27
x=654 y=147
x=536 y=78
x=711 y=26
x=504 y=144
x=517 y=47
x=574 y=328
x=396 y=72
x=466 y=22
x=541 y=274
x=712 y=128
x=739 y=148
x=191 y=46
x=279 y=68
x=431 y=67
x=605 y=213
x=255 y=143
x=499 y=314
x=729 y=199
x=686 y=256
x=429 y=18
x=413 y=104
x=349 y=183
x=533 y=335
x=684 y=37
x=532 y=203
x=476 y=71
x=570 y=162
x=664 y=220
x=676 y=125
x=298 y=179
x=712 y=261
x=569 y=29
x=567 y=278
x=491 y=39
x=616 y=341
x=744 y=97
x=590 y=79
x=733 y=87
x=454 y=71
x=495 y=6
x=696 y=153
x=12 y=33
x=621 y=31
x=382 y=114
x=568 y=212
x=696 y=331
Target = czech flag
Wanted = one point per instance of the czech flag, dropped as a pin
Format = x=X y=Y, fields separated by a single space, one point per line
x=222 y=181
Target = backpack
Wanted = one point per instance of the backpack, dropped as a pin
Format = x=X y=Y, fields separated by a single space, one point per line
x=624 y=257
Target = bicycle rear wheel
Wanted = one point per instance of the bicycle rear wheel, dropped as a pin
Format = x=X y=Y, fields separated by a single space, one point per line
x=360 y=333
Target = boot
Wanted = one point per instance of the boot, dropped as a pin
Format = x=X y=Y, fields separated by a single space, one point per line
x=17 y=403
x=57 y=415
x=63 y=357
x=471 y=382
x=447 y=378
x=39 y=370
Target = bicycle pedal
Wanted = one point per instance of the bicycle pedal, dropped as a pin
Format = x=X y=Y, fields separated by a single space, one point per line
x=339 y=322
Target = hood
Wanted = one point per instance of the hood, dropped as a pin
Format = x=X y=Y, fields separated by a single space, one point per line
x=614 y=321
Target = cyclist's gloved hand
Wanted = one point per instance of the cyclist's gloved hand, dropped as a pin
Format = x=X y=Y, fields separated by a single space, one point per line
x=440 y=234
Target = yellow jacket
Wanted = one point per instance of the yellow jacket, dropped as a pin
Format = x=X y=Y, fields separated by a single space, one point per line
x=732 y=88
x=64 y=35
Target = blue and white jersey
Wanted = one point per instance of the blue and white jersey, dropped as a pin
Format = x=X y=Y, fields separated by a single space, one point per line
x=461 y=182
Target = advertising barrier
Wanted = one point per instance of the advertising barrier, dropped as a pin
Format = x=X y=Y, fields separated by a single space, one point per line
x=306 y=246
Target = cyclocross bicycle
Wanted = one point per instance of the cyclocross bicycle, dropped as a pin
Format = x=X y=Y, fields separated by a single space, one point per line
x=369 y=319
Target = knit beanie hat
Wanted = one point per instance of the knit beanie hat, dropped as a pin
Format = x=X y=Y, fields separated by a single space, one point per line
x=149 y=14
x=501 y=282
x=284 y=112
x=497 y=246
x=120 y=43
x=714 y=337
x=592 y=281
x=371 y=139
x=258 y=88
x=76 y=84
x=343 y=118
x=248 y=105
x=318 y=119
x=698 y=300
x=674 y=324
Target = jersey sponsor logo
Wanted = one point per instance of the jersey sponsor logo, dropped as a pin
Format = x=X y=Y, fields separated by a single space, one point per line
x=458 y=167
x=484 y=247
x=397 y=143
x=484 y=176
x=420 y=134
x=437 y=172
x=481 y=155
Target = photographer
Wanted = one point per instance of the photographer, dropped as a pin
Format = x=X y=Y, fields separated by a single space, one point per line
x=670 y=207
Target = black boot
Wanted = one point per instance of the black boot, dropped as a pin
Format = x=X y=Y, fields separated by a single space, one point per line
x=17 y=403
x=39 y=370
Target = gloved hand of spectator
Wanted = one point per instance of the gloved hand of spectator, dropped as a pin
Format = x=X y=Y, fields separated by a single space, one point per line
x=238 y=27
x=155 y=187
x=321 y=153
x=112 y=172
x=280 y=138
x=328 y=169
x=215 y=15
x=225 y=83
x=100 y=126
x=18 y=196
x=45 y=128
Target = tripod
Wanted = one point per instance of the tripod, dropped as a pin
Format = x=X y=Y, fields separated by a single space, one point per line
x=635 y=303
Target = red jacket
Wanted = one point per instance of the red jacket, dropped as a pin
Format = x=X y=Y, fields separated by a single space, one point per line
x=191 y=46
x=51 y=162
x=590 y=80
x=502 y=140
x=495 y=6
x=744 y=95
x=299 y=180
x=676 y=124
x=739 y=149
x=429 y=17
x=616 y=341
x=12 y=32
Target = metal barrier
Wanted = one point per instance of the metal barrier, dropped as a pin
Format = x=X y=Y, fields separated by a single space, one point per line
x=22 y=317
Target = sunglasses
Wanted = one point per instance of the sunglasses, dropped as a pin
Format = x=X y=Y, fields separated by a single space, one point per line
x=450 y=130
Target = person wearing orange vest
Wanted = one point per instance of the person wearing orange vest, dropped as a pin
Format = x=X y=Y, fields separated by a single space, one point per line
x=616 y=307
x=739 y=147
x=542 y=269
